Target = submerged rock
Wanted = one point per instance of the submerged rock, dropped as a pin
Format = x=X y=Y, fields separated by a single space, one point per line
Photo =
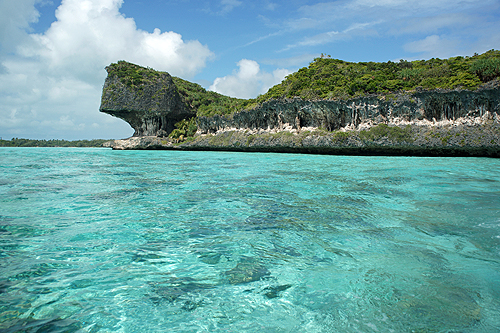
x=211 y=258
x=247 y=270
x=178 y=289
x=29 y=324
x=273 y=292
x=146 y=257
x=452 y=307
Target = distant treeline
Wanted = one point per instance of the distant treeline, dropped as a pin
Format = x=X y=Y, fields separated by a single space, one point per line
x=15 y=142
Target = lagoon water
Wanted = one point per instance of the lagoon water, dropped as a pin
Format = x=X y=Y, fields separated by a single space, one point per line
x=95 y=240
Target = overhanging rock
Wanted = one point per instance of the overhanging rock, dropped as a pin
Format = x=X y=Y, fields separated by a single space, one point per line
x=148 y=100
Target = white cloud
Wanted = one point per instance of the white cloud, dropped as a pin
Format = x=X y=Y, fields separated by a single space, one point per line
x=15 y=17
x=229 y=5
x=37 y=106
x=477 y=19
x=432 y=46
x=271 y=6
x=50 y=83
x=297 y=61
x=356 y=29
x=248 y=81
x=92 y=33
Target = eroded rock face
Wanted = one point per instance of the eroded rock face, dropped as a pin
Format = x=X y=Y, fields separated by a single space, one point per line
x=335 y=114
x=151 y=103
x=148 y=100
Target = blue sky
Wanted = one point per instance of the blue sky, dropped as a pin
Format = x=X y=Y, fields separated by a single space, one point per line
x=53 y=53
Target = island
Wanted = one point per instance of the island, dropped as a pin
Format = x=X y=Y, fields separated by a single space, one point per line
x=436 y=107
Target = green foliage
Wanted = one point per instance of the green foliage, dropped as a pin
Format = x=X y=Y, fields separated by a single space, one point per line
x=132 y=75
x=327 y=78
x=15 y=142
x=185 y=128
x=486 y=68
x=340 y=136
x=383 y=130
x=207 y=103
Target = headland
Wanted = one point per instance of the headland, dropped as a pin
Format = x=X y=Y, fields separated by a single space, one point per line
x=436 y=107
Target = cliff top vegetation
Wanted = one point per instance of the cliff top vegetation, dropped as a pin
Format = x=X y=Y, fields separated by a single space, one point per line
x=132 y=75
x=207 y=103
x=327 y=78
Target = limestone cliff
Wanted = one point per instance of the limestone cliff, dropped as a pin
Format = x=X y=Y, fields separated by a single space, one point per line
x=148 y=100
x=444 y=122
x=295 y=113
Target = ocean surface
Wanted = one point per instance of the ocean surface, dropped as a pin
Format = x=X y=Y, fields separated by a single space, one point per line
x=95 y=240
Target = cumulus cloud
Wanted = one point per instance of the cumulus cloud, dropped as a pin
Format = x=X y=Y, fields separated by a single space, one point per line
x=90 y=33
x=15 y=18
x=38 y=106
x=51 y=82
x=248 y=81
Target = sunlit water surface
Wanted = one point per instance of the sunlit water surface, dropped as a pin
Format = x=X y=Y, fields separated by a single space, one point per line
x=95 y=240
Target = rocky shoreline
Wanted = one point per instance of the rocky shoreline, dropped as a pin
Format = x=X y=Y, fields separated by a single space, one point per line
x=420 y=122
x=471 y=136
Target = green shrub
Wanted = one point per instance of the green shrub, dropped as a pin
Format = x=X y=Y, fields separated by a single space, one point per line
x=486 y=69
x=207 y=103
x=131 y=75
x=340 y=136
x=327 y=78
x=333 y=78
x=391 y=132
x=185 y=128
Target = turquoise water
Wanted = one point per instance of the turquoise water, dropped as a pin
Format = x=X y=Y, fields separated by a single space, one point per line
x=95 y=240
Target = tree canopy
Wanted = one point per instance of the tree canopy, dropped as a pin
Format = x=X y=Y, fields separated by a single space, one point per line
x=327 y=78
